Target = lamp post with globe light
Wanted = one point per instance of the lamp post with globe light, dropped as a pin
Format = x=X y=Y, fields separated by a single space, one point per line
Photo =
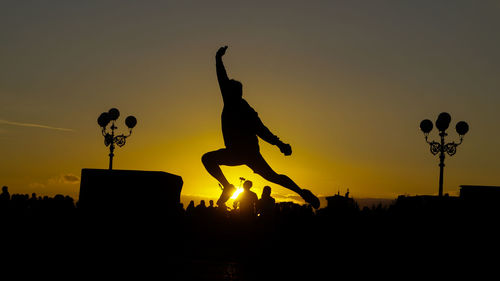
x=110 y=139
x=442 y=124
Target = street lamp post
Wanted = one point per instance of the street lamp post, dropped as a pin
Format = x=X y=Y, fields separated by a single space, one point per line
x=110 y=139
x=442 y=124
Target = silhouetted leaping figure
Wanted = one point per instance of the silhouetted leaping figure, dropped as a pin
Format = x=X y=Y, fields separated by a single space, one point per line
x=240 y=127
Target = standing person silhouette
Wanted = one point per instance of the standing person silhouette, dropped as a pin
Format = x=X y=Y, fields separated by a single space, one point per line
x=246 y=201
x=240 y=127
x=266 y=204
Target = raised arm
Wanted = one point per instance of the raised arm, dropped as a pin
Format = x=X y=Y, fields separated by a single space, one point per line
x=221 y=70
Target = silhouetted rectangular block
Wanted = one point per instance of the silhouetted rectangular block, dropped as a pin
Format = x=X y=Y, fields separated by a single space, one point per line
x=128 y=191
x=480 y=192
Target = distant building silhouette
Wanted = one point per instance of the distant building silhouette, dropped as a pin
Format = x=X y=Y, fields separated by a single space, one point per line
x=480 y=192
x=340 y=206
x=480 y=198
x=338 y=201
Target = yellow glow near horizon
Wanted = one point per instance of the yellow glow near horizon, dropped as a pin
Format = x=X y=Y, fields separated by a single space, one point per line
x=350 y=109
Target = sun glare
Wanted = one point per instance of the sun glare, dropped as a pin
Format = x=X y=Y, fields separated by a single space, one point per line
x=237 y=192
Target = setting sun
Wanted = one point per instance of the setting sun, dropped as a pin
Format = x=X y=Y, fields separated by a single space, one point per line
x=239 y=190
x=325 y=102
x=359 y=135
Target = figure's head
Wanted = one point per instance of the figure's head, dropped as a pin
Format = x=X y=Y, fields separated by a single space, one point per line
x=236 y=88
x=211 y=202
x=247 y=185
x=5 y=189
x=266 y=192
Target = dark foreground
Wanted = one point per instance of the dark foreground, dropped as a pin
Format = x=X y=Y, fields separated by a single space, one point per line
x=295 y=244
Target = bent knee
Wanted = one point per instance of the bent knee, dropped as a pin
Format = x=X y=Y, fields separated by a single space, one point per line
x=206 y=158
x=209 y=158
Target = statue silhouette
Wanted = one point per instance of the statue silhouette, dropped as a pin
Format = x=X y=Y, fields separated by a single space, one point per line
x=240 y=127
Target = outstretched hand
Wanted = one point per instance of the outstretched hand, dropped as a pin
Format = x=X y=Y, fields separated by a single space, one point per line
x=221 y=51
x=286 y=149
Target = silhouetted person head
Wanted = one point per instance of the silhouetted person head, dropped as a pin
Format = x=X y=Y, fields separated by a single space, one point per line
x=247 y=185
x=5 y=195
x=202 y=203
x=211 y=203
x=266 y=192
x=190 y=208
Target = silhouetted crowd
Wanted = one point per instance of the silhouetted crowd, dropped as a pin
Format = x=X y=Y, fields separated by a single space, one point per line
x=16 y=205
x=249 y=207
x=256 y=232
x=262 y=211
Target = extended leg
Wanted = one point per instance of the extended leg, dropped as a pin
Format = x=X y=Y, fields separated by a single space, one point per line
x=212 y=160
x=263 y=169
x=260 y=166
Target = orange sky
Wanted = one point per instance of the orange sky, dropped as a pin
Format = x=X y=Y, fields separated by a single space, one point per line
x=346 y=84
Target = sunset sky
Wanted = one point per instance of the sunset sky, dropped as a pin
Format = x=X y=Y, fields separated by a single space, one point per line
x=346 y=83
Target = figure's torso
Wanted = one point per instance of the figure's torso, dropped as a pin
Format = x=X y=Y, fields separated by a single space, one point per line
x=239 y=126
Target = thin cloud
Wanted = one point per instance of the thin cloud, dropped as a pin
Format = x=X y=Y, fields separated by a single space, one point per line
x=32 y=125
x=70 y=178
x=64 y=179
